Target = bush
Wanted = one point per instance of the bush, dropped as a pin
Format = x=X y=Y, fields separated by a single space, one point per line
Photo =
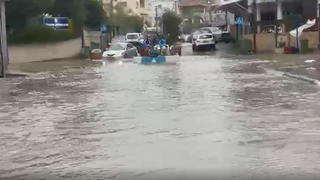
x=39 y=34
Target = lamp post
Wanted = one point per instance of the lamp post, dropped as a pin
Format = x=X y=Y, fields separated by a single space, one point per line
x=3 y=40
x=209 y=11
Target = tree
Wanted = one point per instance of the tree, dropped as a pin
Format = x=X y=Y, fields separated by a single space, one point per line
x=95 y=14
x=126 y=22
x=171 y=26
x=73 y=9
x=18 y=12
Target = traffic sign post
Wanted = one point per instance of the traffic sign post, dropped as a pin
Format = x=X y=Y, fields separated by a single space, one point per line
x=103 y=30
x=162 y=43
x=146 y=42
x=239 y=21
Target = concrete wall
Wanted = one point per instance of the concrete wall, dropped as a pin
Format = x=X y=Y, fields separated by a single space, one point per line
x=311 y=36
x=91 y=36
x=42 y=52
x=266 y=42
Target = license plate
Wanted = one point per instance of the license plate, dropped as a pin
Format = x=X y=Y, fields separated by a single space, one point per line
x=111 y=58
x=205 y=41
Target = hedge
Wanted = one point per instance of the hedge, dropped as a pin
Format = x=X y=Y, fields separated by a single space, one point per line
x=39 y=34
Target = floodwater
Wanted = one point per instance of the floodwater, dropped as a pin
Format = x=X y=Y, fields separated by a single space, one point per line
x=209 y=117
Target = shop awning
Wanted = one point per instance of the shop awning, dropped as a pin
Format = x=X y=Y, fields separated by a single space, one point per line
x=236 y=7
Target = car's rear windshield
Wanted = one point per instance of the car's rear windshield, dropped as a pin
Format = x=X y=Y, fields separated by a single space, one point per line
x=207 y=36
x=132 y=36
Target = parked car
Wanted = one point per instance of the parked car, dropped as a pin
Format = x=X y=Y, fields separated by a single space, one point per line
x=203 y=41
x=133 y=37
x=120 y=50
x=215 y=31
x=226 y=37
x=186 y=38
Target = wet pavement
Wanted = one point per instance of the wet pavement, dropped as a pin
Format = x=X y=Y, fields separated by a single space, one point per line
x=210 y=117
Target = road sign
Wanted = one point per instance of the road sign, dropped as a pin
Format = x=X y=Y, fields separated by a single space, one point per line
x=57 y=23
x=162 y=42
x=103 y=28
x=146 y=42
x=239 y=20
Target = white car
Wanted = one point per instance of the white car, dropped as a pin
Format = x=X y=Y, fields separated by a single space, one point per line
x=119 y=51
x=203 y=41
x=133 y=37
x=215 y=31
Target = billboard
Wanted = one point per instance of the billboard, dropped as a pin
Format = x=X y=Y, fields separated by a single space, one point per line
x=58 y=23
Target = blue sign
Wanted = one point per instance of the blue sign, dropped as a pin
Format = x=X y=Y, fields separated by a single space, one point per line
x=162 y=42
x=58 y=23
x=146 y=42
x=103 y=28
x=239 y=20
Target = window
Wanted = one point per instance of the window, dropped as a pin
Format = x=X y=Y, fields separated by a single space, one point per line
x=132 y=36
x=205 y=37
x=137 y=5
x=142 y=4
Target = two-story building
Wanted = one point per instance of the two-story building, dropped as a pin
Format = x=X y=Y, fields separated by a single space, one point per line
x=269 y=10
x=137 y=7
x=158 y=7
x=272 y=13
x=203 y=9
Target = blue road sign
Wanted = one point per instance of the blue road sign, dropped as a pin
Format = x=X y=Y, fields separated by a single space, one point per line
x=146 y=42
x=58 y=23
x=162 y=42
x=239 y=20
x=103 y=28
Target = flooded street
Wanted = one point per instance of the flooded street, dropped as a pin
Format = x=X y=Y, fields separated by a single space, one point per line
x=209 y=117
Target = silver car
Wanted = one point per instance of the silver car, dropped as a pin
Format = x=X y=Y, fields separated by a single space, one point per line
x=120 y=51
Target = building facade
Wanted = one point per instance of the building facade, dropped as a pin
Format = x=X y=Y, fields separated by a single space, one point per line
x=137 y=7
x=158 y=7
x=270 y=10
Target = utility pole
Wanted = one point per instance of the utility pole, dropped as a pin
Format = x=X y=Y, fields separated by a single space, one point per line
x=4 y=45
x=156 y=8
x=209 y=11
x=254 y=24
x=111 y=20
x=318 y=16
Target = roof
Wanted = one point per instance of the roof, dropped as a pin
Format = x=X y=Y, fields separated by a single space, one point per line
x=191 y=4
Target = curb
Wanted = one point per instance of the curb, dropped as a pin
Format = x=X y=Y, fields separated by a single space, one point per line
x=303 y=78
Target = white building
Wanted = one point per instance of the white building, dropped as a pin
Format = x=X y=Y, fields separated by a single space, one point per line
x=269 y=10
x=138 y=7
x=160 y=6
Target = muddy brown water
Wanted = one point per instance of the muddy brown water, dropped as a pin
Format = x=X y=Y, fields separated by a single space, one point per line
x=208 y=117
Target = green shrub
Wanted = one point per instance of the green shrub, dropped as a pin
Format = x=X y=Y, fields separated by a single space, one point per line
x=39 y=34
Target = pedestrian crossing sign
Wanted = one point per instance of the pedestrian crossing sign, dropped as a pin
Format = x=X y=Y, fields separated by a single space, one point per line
x=239 y=20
